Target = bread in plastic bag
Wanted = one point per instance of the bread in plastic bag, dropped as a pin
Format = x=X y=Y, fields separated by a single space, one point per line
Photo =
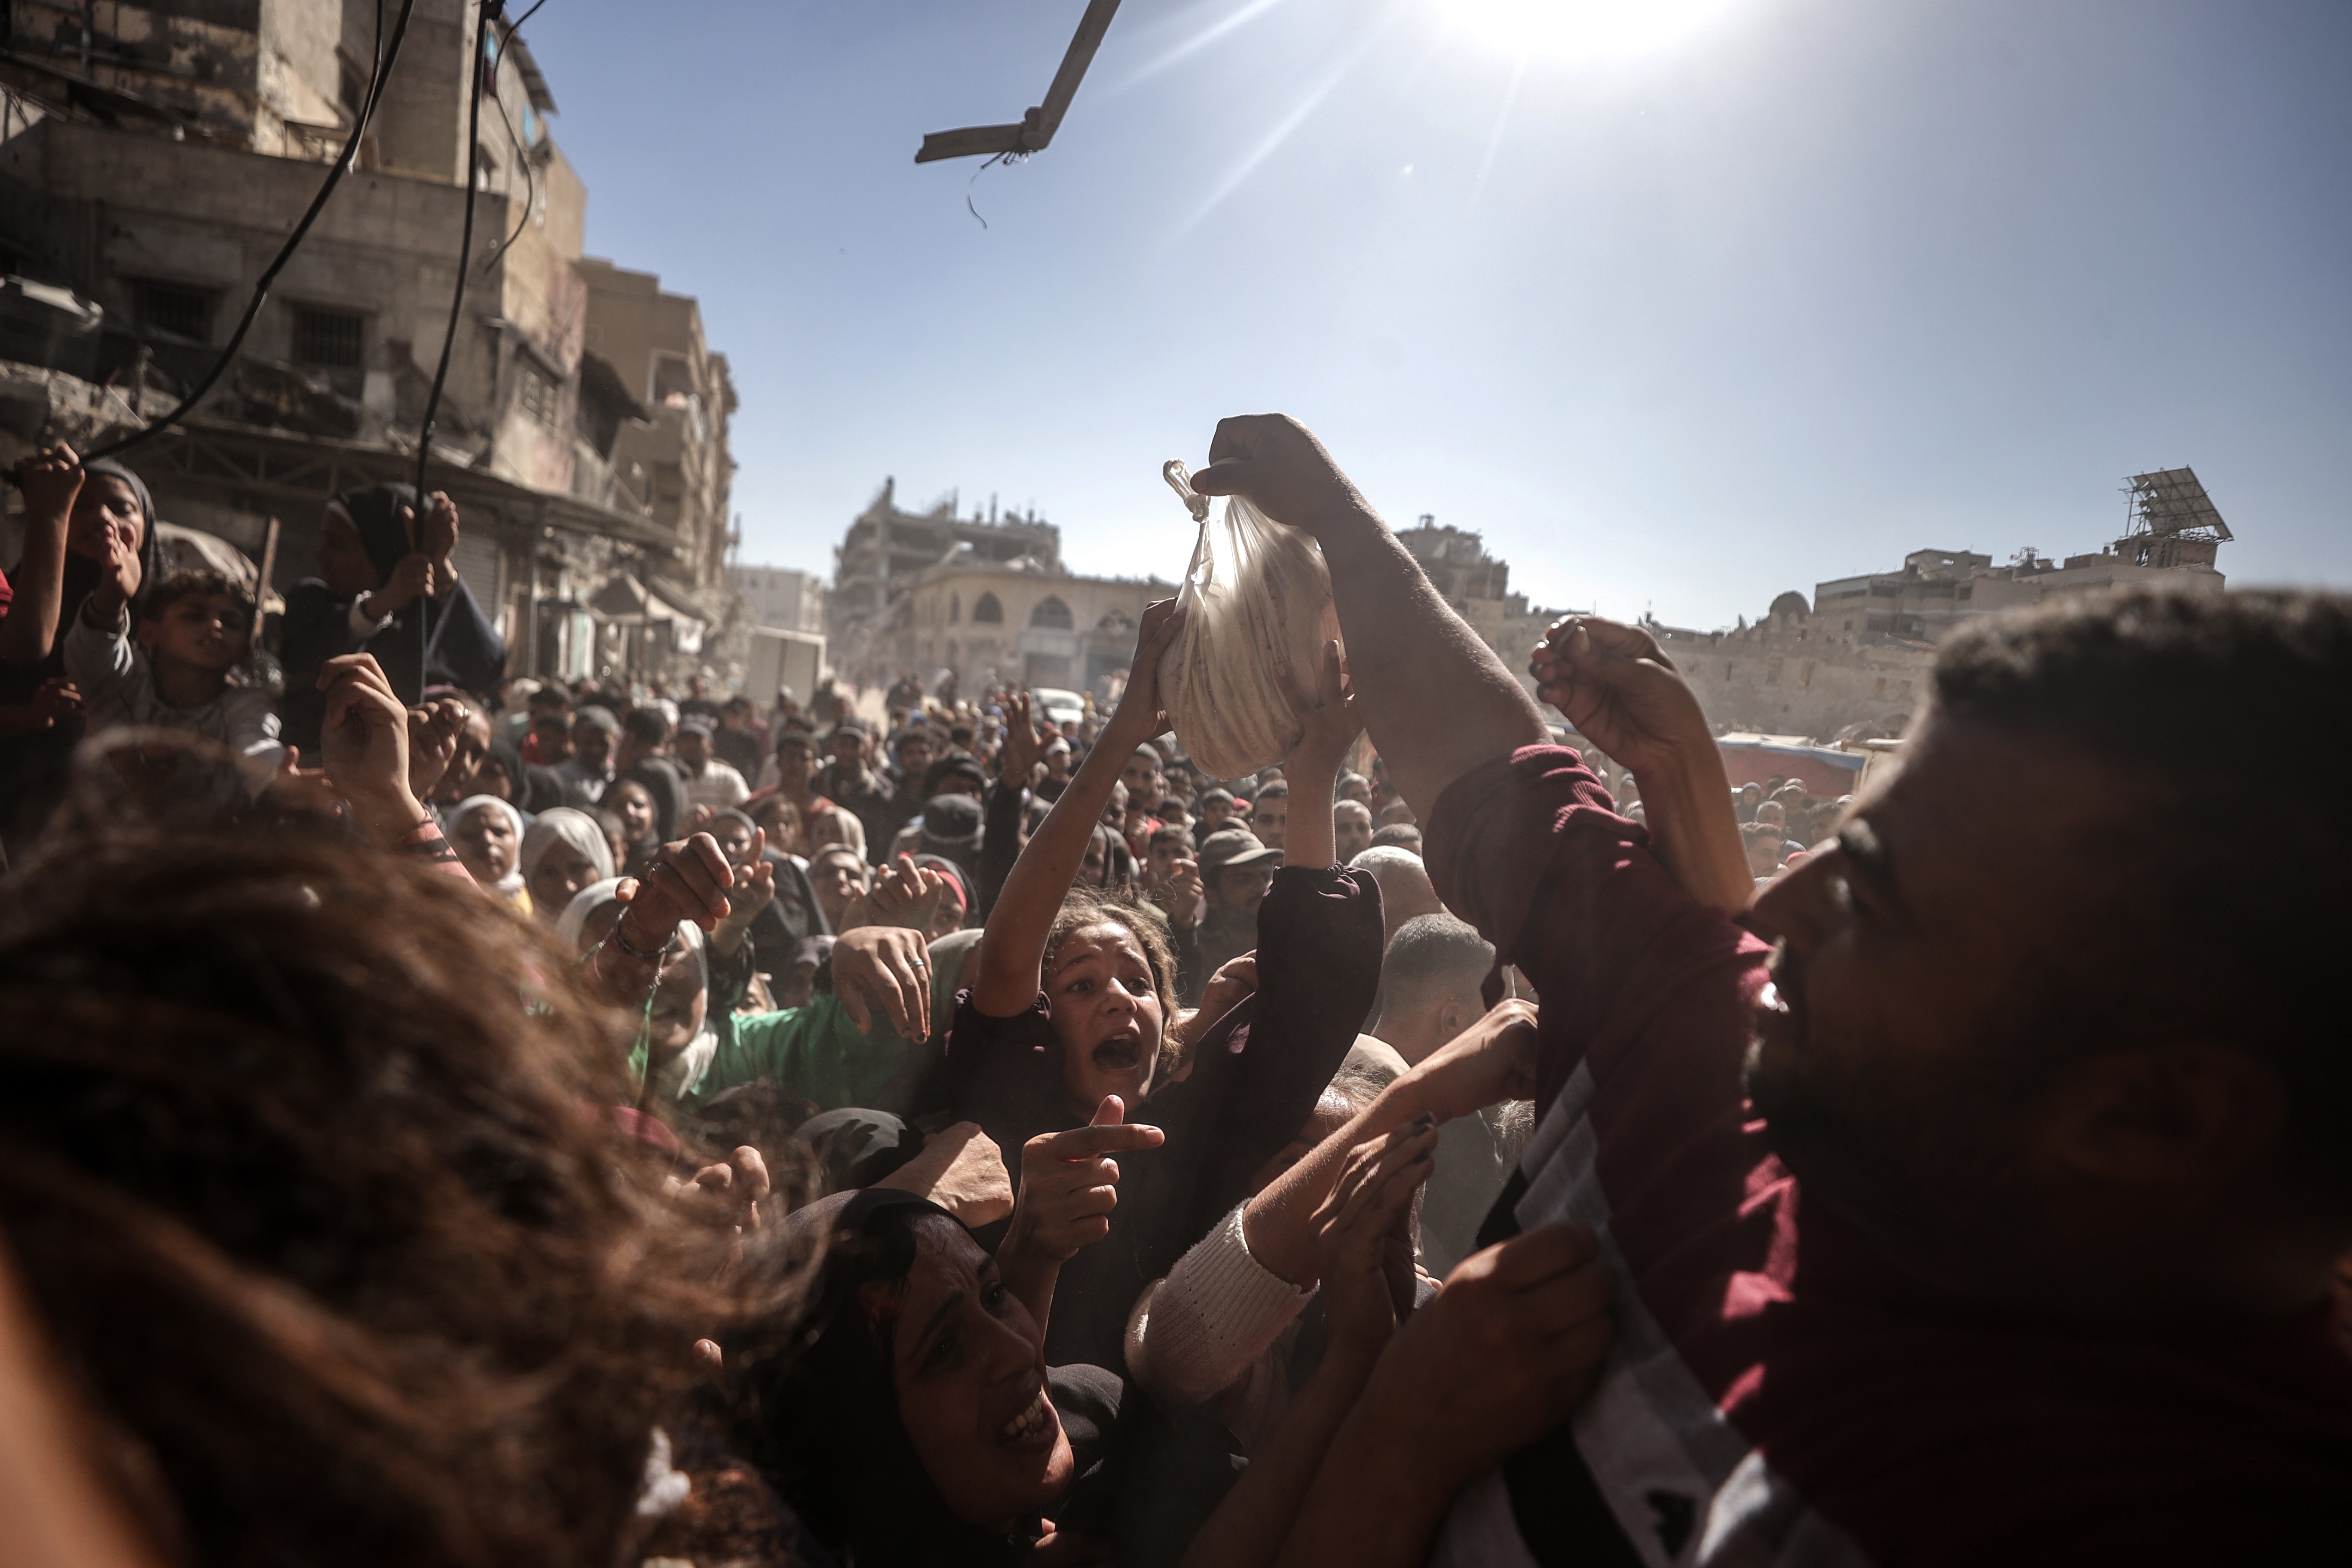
x=1257 y=594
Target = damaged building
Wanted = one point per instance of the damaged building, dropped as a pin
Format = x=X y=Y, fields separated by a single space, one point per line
x=983 y=598
x=1853 y=662
x=153 y=160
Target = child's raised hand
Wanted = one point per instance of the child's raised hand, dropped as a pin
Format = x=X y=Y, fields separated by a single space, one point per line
x=118 y=578
x=438 y=538
x=433 y=734
x=50 y=478
x=410 y=581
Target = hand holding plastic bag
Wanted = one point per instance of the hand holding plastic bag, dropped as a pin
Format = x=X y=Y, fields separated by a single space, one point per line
x=1257 y=596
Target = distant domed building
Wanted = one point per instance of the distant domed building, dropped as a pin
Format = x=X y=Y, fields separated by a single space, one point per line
x=1792 y=604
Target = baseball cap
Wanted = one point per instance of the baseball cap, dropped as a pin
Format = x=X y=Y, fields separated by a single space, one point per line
x=697 y=722
x=1233 y=846
x=951 y=819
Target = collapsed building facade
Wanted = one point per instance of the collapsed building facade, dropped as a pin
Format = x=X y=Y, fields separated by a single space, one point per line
x=153 y=159
x=981 y=598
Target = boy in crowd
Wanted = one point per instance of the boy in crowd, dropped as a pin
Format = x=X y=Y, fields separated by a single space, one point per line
x=740 y=741
x=709 y=781
x=1269 y=814
x=1351 y=829
x=193 y=630
x=1430 y=991
x=589 y=768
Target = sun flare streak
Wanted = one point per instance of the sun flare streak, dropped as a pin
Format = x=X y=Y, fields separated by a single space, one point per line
x=1577 y=30
x=1495 y=137
x=1216 y=30
x=1287 y=126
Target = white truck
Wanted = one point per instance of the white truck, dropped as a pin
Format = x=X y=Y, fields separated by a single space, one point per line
x=780 y=658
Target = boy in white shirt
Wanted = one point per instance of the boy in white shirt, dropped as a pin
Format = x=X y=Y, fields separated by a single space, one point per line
x=709 y=782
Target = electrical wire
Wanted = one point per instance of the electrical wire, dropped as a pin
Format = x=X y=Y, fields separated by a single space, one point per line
x=522 y=153
x=522 y=156
x=285 y=252
x=484 y=17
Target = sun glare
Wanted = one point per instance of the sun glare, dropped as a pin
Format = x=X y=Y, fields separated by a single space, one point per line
x=1577 y=30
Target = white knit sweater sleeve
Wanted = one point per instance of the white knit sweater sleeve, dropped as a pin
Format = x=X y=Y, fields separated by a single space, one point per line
x=1193 y=1333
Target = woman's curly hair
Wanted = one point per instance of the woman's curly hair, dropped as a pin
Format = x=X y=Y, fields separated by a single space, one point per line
x=309 y=1162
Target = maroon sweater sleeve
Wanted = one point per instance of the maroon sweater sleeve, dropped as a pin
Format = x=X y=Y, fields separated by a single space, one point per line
x=1628 y=967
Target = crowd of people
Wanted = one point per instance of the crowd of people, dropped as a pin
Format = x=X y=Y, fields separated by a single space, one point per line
x=465 y=1118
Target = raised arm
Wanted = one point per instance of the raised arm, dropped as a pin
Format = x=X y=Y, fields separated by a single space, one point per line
x=1012 y=946
x=1000 y=841
x=1491 y=1061
x=50 y=481
x=1436 y=699
x=1619 y=687
x=1313 y=765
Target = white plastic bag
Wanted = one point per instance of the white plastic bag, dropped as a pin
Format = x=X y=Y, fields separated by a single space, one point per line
x=1257 y=595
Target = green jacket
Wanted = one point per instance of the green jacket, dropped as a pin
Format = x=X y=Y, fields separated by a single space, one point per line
x=814 y=1051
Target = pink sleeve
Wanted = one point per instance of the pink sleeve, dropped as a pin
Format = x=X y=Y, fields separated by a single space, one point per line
x=425 y=842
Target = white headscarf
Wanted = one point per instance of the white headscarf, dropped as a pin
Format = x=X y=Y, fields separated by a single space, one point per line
x=576 y=828
x=684 y=1070
x=585 y=903
x=511 y=882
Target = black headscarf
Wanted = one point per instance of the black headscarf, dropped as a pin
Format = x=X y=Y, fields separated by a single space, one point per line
x=535 y=789
x=374 y=511
x=818 y=1411
x=459 y=646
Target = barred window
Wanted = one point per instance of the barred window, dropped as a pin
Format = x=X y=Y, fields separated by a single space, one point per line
x=536 y=394
x=175 y=309
x=336 y=339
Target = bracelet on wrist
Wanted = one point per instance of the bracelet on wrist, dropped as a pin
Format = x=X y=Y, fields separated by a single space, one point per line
x=623 y=942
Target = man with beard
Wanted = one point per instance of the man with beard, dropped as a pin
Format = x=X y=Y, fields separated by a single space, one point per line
x=1994 y=1222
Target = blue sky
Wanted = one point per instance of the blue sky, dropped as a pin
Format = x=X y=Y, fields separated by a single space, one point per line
x=1813 y=284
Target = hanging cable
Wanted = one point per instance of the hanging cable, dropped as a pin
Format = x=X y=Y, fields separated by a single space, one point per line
x=285 y=252
x=483 y=18
x=522 y=153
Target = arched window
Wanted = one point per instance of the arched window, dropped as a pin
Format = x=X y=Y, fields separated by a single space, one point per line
x=955 y=608
x=1115 y=622
x=1052 y=615
x=986 y=608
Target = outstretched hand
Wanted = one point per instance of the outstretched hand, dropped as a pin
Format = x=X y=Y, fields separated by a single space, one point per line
x=734 y=1187
x=1491 y=1061
x=1017 y=763
x=1141 y=714
x=1329 y=716
x=905 y=894
x=1069 y=1180
x=883 y=973
x=412 y=579
x=754 y=889
x=434 y=732
x=961 y=1170
x=51 y=480
x=364 y=745
x=436 y=540
x=1363 y=1237
x=1278 y=466
x=1620 y=690
x=1504 y=1351
x=296 y=788
x=686 y=880
x=119 y=579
